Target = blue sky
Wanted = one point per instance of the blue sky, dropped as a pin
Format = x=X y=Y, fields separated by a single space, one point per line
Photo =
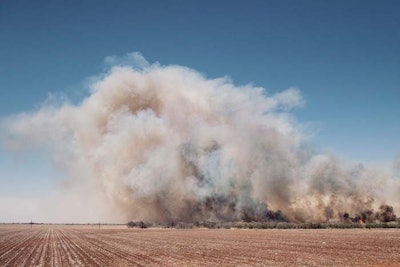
x=344 y=56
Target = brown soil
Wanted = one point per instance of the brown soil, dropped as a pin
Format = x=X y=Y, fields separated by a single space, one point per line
x=48 y=245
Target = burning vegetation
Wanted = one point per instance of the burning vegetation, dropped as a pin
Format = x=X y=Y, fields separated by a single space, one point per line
x=270 y=219
x=384 y=214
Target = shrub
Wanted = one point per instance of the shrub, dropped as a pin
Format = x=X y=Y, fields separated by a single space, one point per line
x=131 y=224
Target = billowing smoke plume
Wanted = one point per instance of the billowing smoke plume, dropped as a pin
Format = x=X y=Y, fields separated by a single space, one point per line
x=162 y=143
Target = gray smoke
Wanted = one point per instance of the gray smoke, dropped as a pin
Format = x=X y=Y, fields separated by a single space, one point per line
x=162 y=143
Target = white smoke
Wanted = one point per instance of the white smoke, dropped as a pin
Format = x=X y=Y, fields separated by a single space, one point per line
x=165 y=143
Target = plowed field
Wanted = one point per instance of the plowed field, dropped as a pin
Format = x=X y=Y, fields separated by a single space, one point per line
x=89 y=246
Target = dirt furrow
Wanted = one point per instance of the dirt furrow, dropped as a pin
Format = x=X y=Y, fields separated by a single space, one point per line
x=41 y=251
x=139 y=249
x=56 y=245
x=10 y=242
x=22 y=249
x=36 y=246
x=112 y=251
x=83 y=257
x=53 y=255
x=68 y=255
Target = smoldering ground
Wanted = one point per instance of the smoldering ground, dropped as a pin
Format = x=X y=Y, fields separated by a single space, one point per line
x=162 y=143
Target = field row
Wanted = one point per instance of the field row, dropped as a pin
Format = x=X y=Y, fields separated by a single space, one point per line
x=85 y=246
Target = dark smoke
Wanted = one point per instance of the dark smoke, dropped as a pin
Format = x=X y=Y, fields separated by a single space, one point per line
x=384 y=214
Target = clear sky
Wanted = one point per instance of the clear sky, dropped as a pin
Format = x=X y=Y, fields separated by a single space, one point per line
x=344 y=56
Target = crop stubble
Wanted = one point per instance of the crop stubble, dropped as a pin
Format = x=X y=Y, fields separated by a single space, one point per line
x=49 y=245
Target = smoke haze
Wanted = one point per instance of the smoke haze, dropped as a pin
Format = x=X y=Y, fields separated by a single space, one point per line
x=162 y=143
